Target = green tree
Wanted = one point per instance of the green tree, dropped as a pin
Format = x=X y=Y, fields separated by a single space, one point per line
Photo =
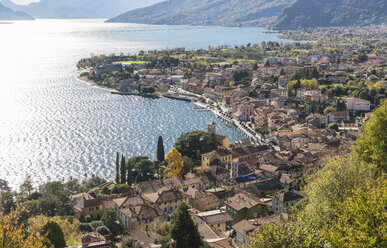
x=26 y=187
x=56 y=201
x=105 y=190
x=340 y=105
x=332 y=185
x=113 y=222
x=188 y=165
x=140 y=169
x=160 y=150
x=361 y=219
x=372 y=145
x=123 y=188
x=12 y=233
x=184 y=231
x=6 y=197
x=195 y=143
x=290 y=234
x=54 y=233
x=117 y=169
x=85 y=227
x=115 y=190
x=123 y=169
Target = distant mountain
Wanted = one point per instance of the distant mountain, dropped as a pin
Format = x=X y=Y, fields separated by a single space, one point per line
x=325 y=13
x=10 y=15
x=72 y=9
x=206 y=12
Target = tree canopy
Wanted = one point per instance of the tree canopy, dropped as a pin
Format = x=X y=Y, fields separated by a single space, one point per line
x=113 y=222
x=12 y=233
x=361 y=219
x=372 y=145
x=332 y=185
x=195 y=143
x=184 y=231
x=54 y=234
x=160 y=150
x=175 y=164
x=140 y=169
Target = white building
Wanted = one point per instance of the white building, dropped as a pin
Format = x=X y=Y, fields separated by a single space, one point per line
x=358 y=104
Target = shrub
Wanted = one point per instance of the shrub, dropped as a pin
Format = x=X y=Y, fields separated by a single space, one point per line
x=103 y=230
x=123 y=188
x=115 y=190
x=97 y=223
x=85 y=227
x=105 y=190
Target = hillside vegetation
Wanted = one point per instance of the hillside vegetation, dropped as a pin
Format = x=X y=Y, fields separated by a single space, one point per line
x=325 y=13
x=206 y=12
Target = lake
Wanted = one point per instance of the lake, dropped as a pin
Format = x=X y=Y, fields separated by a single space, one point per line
x=53 y=126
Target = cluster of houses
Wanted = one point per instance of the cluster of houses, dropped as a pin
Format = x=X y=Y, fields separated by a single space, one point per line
x=238 y=189
x=243 y=186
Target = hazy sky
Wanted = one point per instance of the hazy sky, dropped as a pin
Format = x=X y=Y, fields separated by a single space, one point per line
x=24 y=1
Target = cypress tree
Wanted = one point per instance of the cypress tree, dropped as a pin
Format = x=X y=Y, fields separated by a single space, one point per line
x=123 y=169
x=160 y=150
x=117 y=169
x=184 y=230
x=54 y=234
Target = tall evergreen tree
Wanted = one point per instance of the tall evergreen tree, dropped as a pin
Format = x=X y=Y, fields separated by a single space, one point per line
x=123 y=169
x=117 y=169
x=184 y=231
x=160 y=150
x=54 y=234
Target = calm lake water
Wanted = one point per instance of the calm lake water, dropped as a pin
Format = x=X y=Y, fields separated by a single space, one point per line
x=53 y=126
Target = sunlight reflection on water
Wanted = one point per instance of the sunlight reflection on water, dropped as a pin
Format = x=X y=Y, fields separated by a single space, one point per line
x=53 y=126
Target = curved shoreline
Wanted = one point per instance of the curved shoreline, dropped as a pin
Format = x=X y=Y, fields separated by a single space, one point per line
x=253 y=137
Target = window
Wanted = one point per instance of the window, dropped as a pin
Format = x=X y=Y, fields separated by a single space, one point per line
x=97 y=208
x=218 y=224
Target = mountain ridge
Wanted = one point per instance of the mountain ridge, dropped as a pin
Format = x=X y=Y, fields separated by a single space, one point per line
x=73 y=9
x=8 y=14
x=206 y=12
x=326 y=13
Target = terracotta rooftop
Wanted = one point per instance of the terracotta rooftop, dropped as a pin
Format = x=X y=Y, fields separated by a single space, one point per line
x=288 y=196
x=241 y=201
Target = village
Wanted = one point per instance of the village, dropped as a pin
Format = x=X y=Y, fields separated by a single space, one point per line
x=297 y=103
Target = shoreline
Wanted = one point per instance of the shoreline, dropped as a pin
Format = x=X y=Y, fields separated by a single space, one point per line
x=206 y=106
